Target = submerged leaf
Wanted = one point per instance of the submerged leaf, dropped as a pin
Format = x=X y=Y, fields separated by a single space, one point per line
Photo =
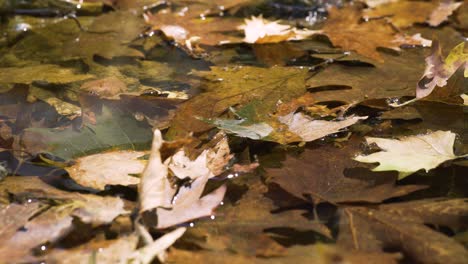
x=403 y=226
x=328 y=174
x=410 y=154
x=50 y=73
x=113 y=129
x=241 y=86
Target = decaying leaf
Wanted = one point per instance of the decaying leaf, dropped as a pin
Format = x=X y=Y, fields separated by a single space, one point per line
x=122 y=250
x=403 y=226
x=240 y=227
x=410 y=154
x=406 y=13
x=157 y=191
x=50 y=73
x=439 y=70
x=344 y=30
x=309 y=129
x=225 y=87
x=465 y=99
x=328 y=174
x=318 y=253
x=109 y=168
x=89 y=208
x=113 y=128
x=259 y=30
x=350 y=84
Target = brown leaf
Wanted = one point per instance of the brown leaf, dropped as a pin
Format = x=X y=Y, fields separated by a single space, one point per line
x=239 y=228
x=439 y=70
x=109 y=87
x=344 y=30
x=402 y=226
x=403 y=13
x=109 y=168
x=158 y=192
x=442 y=12
x=350 y=84
x=225 y=87
x=329 y=174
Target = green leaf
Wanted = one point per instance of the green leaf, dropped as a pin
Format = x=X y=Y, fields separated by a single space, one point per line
x=112 y=129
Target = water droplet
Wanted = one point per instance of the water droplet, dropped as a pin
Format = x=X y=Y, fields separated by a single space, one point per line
x=43 y=248
x=78 y=6
x=191 y=224
x=212 y=217
x=221 y=203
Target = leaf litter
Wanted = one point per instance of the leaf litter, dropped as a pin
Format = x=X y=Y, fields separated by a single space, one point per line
x=233 y=131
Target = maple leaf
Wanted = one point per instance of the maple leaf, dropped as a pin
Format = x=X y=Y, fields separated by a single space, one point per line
x=344 y=30
x=122 y=250
x=323 y=173
x=57 y=220
x=259 y=30
x=410 y=154
x=240 y=227
x=403 y=14
x=403 y=226
x=228 y=86
x=439 y=70
x=110 y=168
x=350 y=84
x=156 y=191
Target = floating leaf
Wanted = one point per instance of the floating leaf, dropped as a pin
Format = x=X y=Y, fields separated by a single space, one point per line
x=328 y=174
x=439 y=70
x=258 y=30
x=110 y=168
x=410 y=154
x=156 y=190
x=344 y=30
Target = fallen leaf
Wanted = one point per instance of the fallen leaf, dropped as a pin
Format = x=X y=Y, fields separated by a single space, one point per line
x=319 y=253
x=50 y=73
x=110 y=168
x=442 y=12
x=226 y=86
x=439 y=70
x=113 y=129
x=403 y=13
x=240 y=227
x=259 y=30
x=309 y=129
x=14 y=216
x=89 y=208
x=122 y=250
x=62 y=107
x=465 y=99
x=403 y=226
x=344 y=30
x=350 y=84
x=328 y=174
x=109 y=87
x=157 y=191
x=410 y=154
